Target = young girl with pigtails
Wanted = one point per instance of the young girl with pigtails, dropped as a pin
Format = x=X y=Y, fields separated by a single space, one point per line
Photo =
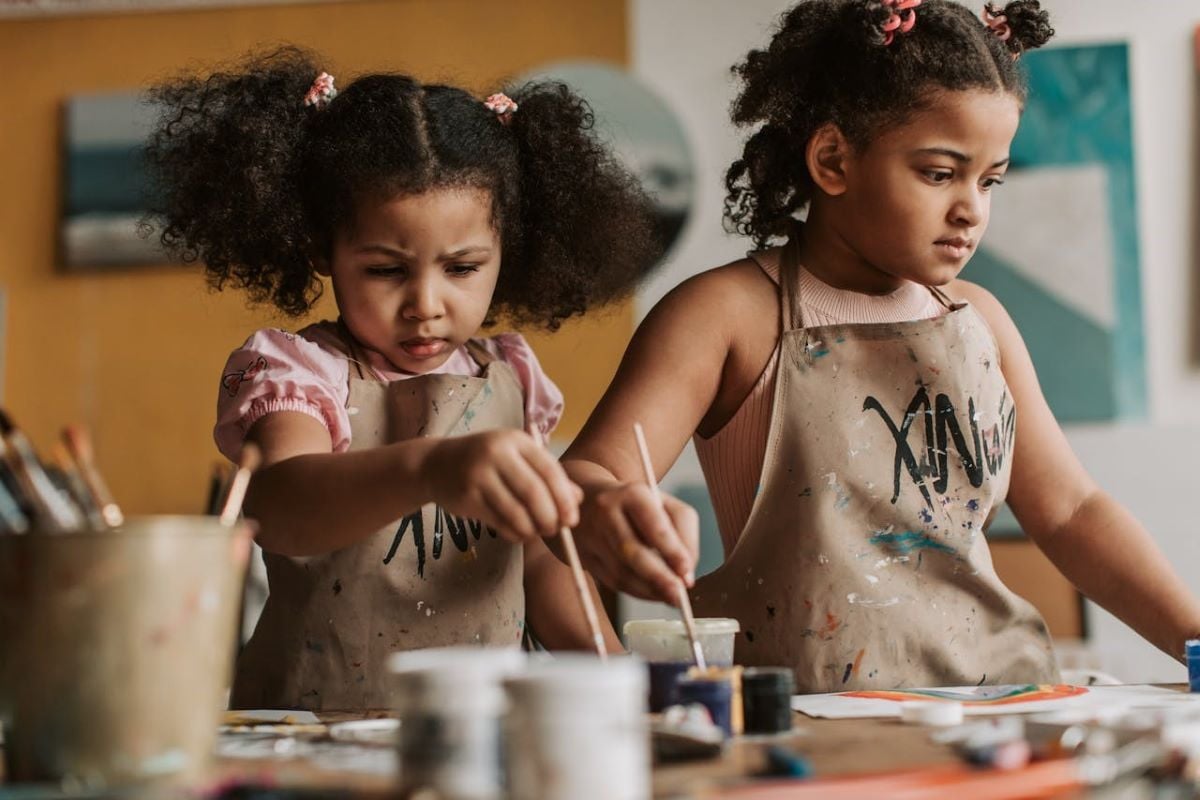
x=402 y=504
x=859 y=412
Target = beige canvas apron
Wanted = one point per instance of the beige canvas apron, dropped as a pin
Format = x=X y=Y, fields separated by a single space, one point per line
x=863 y=562
x=430 y=579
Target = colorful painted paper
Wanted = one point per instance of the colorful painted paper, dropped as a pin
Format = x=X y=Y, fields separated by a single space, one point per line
x=998 y=700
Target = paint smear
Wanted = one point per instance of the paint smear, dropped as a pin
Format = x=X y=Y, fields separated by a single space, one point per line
x=908 y=541
x=856 y=599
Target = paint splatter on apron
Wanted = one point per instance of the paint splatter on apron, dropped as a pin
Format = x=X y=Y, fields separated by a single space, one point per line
x=863 y=563
x=430 y=579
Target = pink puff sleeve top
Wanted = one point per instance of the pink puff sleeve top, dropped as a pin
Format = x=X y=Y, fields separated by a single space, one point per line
x=308 y=372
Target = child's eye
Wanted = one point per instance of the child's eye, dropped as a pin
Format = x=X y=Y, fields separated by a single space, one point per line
x=462 y=269
x=938 y=175
x=989 y=183
x=385 y=271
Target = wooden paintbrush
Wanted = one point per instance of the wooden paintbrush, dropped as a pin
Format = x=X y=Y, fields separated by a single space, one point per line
x=50 y=507
x=685 y=603
x=12 y=515
x=76 y=487
x=248 y=461
x=79 y=445
x=577 y=573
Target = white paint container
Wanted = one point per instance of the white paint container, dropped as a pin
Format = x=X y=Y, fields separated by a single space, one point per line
x=577 y=730
x=450 y=701
x=661 y=640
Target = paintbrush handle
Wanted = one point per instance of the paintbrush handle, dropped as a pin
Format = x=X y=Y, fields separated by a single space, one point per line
x=577 y=573
x=585 y=596
x=50 y=507
x=685 y=603
x=79 y=446
x=247 y=463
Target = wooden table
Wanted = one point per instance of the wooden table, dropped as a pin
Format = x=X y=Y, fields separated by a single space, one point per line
x=833 y=747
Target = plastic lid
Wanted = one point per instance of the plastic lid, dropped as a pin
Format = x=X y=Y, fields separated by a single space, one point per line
x=772 y=680
x=705 y=626
x=568 y=669
x=452 y=679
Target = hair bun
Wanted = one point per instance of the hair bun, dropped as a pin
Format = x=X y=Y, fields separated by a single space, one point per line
x=1028 y=22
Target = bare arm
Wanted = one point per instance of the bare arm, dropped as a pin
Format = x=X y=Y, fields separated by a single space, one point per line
x=667 y=381
x=309 y=500
x=1090 y=537
x=552 y=604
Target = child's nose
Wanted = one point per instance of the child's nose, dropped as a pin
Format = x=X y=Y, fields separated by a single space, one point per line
x=423 y=301
x=968 y=210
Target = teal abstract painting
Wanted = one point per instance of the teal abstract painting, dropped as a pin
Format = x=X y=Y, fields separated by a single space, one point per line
x=1061 y=252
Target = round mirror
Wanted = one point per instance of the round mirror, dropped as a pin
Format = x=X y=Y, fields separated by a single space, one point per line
x=643 y=132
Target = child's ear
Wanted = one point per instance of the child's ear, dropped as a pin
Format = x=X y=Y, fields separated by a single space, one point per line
x=826 y=155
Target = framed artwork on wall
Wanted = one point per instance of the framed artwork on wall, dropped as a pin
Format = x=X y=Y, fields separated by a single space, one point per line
x=1061 y=252
x=105 y=187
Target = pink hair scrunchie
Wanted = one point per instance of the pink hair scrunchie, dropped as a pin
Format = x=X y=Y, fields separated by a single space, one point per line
x=997 y=22
x=902 y=20
x=321 y=91
x=501 y=105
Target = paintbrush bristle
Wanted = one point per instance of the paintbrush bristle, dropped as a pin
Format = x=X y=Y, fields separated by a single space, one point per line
x=6 y=423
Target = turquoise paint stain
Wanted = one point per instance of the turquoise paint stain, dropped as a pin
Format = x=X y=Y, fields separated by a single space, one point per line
x=905 y=543
x=824 y=351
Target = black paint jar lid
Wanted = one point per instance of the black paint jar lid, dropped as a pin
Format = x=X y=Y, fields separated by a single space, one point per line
x=768 y=680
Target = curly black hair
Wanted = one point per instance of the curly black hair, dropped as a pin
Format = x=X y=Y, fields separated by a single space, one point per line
x=828 y=63
x=256 y=184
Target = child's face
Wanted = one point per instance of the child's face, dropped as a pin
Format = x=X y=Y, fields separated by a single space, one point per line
x=918 y=197
x=414 y=278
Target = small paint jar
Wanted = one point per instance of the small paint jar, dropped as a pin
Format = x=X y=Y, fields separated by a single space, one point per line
x=576 y=730
x=767 y=699
x=450 y=701
x=714 y=694
x=1192 y=656
x=664 y=676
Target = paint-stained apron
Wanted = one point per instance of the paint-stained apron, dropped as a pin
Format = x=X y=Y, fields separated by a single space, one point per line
x=863 y=562
x=430 y=579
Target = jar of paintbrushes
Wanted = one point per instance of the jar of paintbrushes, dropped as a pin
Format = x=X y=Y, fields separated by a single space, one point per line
x=117 y=633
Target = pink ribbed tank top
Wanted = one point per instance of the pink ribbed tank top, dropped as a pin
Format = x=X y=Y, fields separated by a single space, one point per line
x=732 y=459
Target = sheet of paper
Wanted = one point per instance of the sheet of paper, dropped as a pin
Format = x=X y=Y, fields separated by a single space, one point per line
x=995 y=700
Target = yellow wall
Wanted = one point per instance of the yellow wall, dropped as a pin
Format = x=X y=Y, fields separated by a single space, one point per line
x=136 y=353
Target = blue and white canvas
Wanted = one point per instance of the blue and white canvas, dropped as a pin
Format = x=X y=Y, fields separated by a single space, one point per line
x=105 y=184
x=1062 y=250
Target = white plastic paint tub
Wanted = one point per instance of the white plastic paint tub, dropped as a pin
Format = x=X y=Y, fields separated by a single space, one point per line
x=576 y=730
x=450 y=701
x=662 y=640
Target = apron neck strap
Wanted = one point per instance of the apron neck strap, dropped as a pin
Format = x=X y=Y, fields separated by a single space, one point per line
x=942 y=298
x=789 y=282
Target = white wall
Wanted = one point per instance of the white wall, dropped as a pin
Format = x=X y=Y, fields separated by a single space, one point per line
x=684 y=48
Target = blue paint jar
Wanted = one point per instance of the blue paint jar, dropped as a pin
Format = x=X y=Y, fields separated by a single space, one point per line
x=1192 y=656
x=715 y=695
x=663 y=679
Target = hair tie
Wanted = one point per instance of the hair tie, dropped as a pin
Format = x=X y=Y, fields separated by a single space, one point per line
x=321 y=92
x=502 y=106
x=997 y=22
x=902 y=19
